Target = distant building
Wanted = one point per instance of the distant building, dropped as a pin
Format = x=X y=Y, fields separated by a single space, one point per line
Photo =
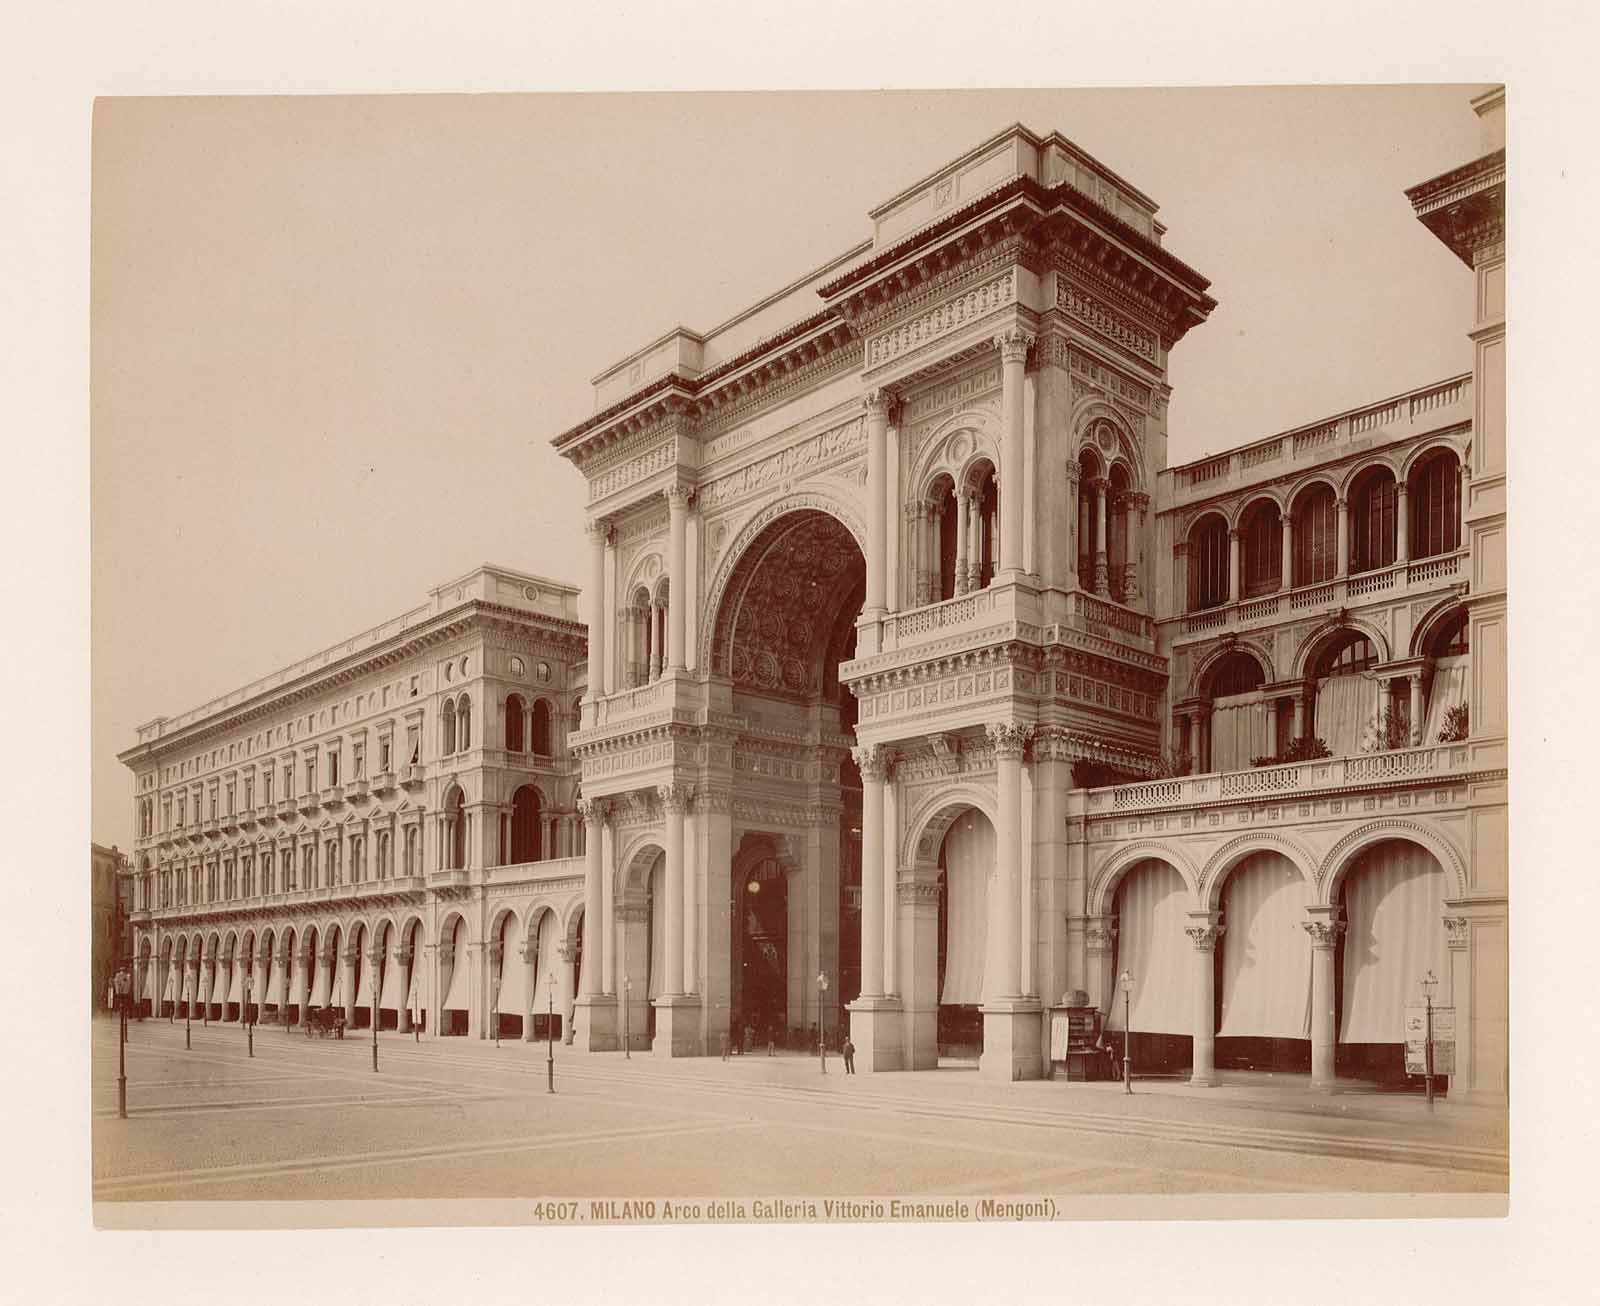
x=342 y=828
x=109 y=935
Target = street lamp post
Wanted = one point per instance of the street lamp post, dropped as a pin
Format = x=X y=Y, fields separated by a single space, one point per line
x=122 y=986
x=550 y=1034
x=249 y=1025
x=1127 y=1030
x=627 y=1018
x=494 y=1012
x=188 y=1007
x=1430 y=983
x=822 y=1021
x=376 y=986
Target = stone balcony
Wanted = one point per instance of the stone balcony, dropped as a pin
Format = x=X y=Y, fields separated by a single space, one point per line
x=265 y=811
x=555 y=868
x=1323 y=775
x=332 y=795
x=668 y=698
x=411 y=777
x=1395 y=581
x=355 y=790
x=308 y=802
x=286 y=808
x=383 y=783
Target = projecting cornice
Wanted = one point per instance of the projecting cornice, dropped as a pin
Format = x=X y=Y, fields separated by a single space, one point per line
x=1465 y=207
x=563 y=637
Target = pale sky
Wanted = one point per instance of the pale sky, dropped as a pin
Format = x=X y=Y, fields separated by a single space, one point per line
x=332 y=337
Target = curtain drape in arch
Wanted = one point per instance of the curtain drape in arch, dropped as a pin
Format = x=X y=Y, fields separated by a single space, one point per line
x=274 y=992
x=658 y=927
x=1346 y=705
x=338 y=985
x=206 y=968
x=414 y=991
x=969 y=852
x=545 y=965
x=455 y=995
x=148 y=984
x=319 y=984
x=1266 y=952
x=170 y=989
x=1241 y=729
x=390 y=996
x=236 y=981
x=188 y=982
x=1447 y=690
x=513 y=976
x=1394 y=901
x=1152 y=911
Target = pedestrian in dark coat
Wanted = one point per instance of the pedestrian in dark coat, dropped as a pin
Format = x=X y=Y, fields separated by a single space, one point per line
x=849 y=1056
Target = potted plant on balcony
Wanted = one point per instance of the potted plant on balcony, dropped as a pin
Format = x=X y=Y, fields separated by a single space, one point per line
x=1388 y=730
x=1307 y=748
x=1454 y=728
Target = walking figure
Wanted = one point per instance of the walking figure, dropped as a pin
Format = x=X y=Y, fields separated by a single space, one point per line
x=725 y=1045
x=849 y=1050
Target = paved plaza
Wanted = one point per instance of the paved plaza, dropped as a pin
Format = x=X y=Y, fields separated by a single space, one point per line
x=309 y=1120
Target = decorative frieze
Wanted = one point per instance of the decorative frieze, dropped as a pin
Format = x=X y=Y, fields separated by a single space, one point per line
x=808 y=456
x=1105 y=321
x=942 y=319
x=654 y=460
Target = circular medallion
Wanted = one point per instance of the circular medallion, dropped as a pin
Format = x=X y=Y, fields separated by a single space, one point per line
x=530 y=593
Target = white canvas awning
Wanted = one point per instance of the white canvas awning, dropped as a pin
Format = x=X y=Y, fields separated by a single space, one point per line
x=188 y=981
x=390 y=994
x=319 y=987
x=969 y=864
x=338 y=986
x=513 y=999
x=208 y=967
x=170 y=989
x=545 y=964
x=235 y=980
x=1153 y=913
x=275 y=979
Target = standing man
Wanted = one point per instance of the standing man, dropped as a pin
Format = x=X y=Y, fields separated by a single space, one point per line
x=849 y=1056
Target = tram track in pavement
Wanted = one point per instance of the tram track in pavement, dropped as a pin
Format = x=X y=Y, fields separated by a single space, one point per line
x=1421 y=1153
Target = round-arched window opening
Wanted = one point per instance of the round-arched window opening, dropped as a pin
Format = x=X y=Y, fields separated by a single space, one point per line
x=518 y=667
x=1349 y=656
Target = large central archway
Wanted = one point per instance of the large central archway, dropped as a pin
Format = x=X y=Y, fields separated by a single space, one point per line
x=785 y=620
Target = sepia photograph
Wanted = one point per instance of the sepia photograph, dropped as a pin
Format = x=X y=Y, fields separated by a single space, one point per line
x=799 y=657
x=730 y=653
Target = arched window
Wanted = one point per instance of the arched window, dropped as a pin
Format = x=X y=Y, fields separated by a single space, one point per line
x=943 y=506
x=1434 y=516
x=658 y=628
x=1373 y=518
x=1316 y=536
x=464 y=723
x=641 y=623
x=525 y=826
x=1348 y=656
x=541 y=727
x=1261 y=543
x=1088 y=474
x=1348 y=699
x=456 y=806
x=514 y=710
x=982 y=547
x=1208 y=564
x=1117 y=543
x=1237 y=673
x=447 y=727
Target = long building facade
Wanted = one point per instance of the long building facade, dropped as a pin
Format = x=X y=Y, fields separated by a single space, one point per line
x=922 y=697
x=387 y=828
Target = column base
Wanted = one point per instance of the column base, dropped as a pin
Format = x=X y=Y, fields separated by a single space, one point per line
x=876 y=1028
x=1208 y=1080
x=1011 y=1039
x=594 y=1017
x=677 y=1025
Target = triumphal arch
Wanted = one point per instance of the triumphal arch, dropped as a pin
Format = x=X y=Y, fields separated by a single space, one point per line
x=876 y=558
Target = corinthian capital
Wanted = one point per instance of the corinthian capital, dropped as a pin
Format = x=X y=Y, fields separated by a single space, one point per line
x=1013 y=344
x=1324 y=933
x=1204 y=932
x=878 y=402
x=677 y=497
x=593 y=810
x=873 y=761
x=1008 y=739
x=675 y=797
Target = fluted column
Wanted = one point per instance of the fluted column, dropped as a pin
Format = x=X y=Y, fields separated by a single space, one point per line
x=594 y=929
x=675 y=798
x=1101 y=556
x=1013 y=345
x=1235 y=565
x=1204 y=930
x=1286 y=581
x=1005 y=907
x=873 y=762
x=678 y=573
x=1342 y=539
x=1324 y=927
x=597 y=623
x=876 y=404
